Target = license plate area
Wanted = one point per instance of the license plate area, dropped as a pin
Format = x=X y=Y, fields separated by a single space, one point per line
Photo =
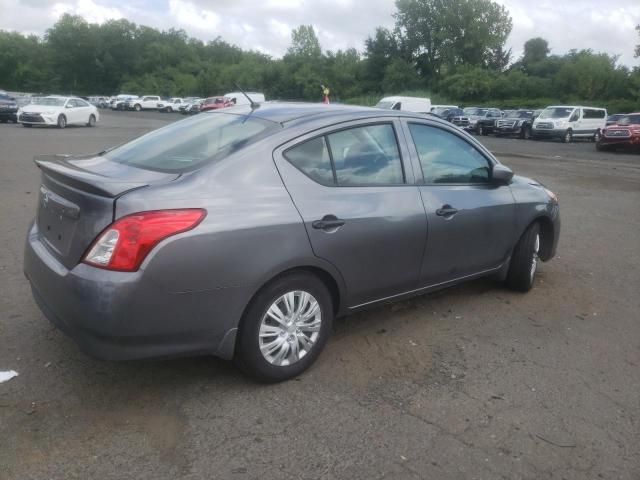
x=57 y=220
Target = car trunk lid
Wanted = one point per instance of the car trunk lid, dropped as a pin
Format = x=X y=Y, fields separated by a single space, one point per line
x=77 y=199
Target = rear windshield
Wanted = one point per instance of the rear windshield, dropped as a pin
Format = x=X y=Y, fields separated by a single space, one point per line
x=190 y=143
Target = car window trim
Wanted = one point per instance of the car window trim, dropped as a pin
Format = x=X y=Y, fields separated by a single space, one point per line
x=325 y=134
x=422 y=181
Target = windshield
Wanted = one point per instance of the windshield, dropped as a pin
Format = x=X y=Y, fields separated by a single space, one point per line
x=520 y=114
x=629 y=120
x=440 y=111
x=387 y=105
x=50 y=101
x=186 y=144
x=556 y=112
x=478 y=112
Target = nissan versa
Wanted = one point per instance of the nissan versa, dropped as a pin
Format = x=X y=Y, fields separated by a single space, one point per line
x=243 y=233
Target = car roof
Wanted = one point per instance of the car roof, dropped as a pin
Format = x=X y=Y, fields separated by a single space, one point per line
x=294 y=113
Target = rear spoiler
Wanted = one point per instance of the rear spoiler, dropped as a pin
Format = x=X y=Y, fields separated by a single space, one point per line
x=69 y=170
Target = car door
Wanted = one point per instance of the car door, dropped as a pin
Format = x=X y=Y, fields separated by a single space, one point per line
x=85 y=109
x=355 y=192
x=471 y=219
x=72 y=111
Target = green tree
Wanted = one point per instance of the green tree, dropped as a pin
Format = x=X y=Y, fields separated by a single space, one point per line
x=399 y=76
x=535 y=50
x=304 y=43
x=449 y=33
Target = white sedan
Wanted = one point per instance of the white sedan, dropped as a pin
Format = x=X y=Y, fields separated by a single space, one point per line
x=58 y=111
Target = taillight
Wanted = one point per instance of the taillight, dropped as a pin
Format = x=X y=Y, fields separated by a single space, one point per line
x=124 y=244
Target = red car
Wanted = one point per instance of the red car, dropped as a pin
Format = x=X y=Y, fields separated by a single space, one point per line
x=214 y=103
x=624 y=133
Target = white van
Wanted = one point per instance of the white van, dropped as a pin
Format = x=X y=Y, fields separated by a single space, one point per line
x=408 y=104
x=238 y=98
x=569 y=122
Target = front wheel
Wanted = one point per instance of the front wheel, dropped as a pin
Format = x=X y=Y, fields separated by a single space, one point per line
x=567 y=137
x=285 y=328
x=524 y=260
x=62 y=121
x=480 y=130
x=92 y=121
x=526 y=133
x=137 y=107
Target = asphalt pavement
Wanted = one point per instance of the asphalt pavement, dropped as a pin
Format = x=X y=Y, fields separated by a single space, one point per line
x=474 y=382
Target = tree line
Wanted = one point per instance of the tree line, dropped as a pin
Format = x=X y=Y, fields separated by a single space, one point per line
x=451 y=50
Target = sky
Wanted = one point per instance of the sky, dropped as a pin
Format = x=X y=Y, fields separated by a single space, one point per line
x=265 y=25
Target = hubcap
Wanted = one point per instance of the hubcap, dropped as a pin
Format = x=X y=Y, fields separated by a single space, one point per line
x=290 y=328
x=534 y=257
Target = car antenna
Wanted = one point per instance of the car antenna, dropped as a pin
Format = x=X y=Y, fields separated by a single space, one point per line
x=253 y=104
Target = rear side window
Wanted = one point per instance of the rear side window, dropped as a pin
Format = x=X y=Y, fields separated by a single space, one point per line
x=189 y=143
x=593 y=113
x=312 y=158
x=447 y=158
x=359 y=156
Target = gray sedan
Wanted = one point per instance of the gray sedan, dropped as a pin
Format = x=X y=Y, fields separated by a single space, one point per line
x=243 y=233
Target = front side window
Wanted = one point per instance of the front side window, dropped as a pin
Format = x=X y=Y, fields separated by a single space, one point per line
x=447 y=158
x=366 y=155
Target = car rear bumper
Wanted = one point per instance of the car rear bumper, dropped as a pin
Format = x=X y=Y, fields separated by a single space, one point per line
x=125 y=316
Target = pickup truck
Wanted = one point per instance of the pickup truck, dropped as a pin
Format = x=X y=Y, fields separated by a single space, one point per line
x=482 y=120
x=170 y=105
x=148 y=102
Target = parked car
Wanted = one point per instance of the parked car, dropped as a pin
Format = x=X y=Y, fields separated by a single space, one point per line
x=170 y=105
x=406 y=104
x=569 y=122
x=625 y=133
x=239 y=98
x=100 y=102
x=452 y=115
x=59 y=111
x=515 y=122
x=442 y=107
x=613 y=119
x=8 y=109
x=120 y=101
x=243 y=232
x=482 y=120
x=215 y=103
x=194 y=107
x=186 y=102
x=148 y=102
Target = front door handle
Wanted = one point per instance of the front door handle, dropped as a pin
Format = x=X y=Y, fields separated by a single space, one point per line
x=446 y=211
x=328 y=222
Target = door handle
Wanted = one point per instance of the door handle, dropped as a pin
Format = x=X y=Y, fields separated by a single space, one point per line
x=446 y=211
x=328 y=222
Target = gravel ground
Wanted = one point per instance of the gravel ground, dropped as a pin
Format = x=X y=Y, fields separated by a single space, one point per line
x=475 y=382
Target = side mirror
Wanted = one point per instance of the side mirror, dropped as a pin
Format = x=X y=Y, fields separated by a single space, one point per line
x=501 y=174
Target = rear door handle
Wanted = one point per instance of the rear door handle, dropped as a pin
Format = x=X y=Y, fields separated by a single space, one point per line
x=446 y=211
x=328 y=222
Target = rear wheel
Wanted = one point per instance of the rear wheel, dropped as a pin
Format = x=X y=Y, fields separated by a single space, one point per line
x=62 y=121
x=567 y=137
x=285 y=328
x=524 y=261
x=92 y=121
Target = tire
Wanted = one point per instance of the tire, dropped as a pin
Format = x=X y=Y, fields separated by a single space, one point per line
x=62 y=121
x=92 y=121
x=137 y=107
x=250 y=345
x=524 y=260
x=567 y=137
x=485 y=132
x=597 y=136
x=169 y=110
x=526 y=133
x=480 y=130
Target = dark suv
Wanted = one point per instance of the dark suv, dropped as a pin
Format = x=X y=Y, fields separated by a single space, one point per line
x=482 y=120
x=515 y=122
x=8 y=109
x=452 y=115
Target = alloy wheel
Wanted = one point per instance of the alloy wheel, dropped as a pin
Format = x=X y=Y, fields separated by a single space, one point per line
x=534 y=257
x=290 y=328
